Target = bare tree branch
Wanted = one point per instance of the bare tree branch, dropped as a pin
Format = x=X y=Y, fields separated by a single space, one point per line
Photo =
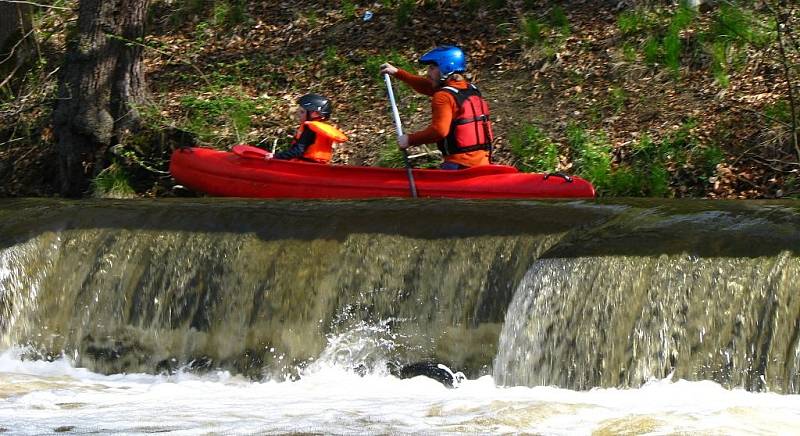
x=38 y=5
x=10 y=76
x=162 y=52
x=790 y=35
x=765 y=116
x=11 y=53
x=787 y=70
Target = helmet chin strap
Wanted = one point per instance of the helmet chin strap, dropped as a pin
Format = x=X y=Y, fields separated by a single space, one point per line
x=443 y=78
x=310 y=115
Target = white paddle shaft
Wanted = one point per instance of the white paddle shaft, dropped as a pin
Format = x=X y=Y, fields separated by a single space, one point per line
x=411 y=184
x=395 y=112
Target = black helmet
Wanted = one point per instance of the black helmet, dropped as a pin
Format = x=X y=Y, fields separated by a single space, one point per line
x=316 y=103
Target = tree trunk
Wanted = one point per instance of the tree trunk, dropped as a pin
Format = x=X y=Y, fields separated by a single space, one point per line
x=101 y=84
x=17 y=46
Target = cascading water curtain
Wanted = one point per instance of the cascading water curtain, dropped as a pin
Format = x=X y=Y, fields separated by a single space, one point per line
x=621 y=320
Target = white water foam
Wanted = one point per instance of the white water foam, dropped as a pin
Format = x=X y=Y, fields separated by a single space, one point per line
x=39 y=397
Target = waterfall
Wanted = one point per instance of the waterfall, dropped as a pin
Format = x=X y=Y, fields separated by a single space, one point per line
x=622 y=320
x=572 y=294
x=146 y=295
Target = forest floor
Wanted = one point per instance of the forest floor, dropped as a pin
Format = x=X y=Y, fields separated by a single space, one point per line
x=570 y=79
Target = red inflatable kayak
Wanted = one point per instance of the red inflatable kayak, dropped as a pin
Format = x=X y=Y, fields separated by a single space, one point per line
x=245 y=173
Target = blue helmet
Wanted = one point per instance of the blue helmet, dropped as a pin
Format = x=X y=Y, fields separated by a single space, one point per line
x=449 y=58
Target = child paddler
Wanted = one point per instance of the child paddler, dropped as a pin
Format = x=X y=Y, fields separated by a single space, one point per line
x=313 y=141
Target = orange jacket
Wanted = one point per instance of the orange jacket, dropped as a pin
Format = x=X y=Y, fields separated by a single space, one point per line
x=321 y=149
x=443 y=108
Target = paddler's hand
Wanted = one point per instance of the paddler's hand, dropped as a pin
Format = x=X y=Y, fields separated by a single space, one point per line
x=402 y=141
x=268 y=155
x=389 y=69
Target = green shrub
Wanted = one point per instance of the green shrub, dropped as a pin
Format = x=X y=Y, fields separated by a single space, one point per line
x=531 y=30
x=643 y=174
x=372 y=64
x=390 y=156
x=791 y=186
x=632 y=22
x=682 y=18
x=658 y=180
x=672 y=46
x=229 y=13
x=672 y=51
x=617 y=98
x=649 y=158
x=334 y=63
x=683 y=148
x=735 y=24
x=312 y=18
x=629 y=52
x=348 y=9
x=188 y=9
x=662 y=43
x=707 y=158
x=625 y=181
x=549 y=36
x=559 y=20
x=535 y=152
x=404 y=11
x=200 y=34
x=205 y=114
x=681 y=139
x=591 y=156
x=652 y=51
x=779 y=111
x=719 y=62
x=676 y=146
x=112 y=182
x=733 y=29
x=219 y=13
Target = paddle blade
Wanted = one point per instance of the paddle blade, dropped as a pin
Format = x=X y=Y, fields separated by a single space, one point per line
x=250 y=152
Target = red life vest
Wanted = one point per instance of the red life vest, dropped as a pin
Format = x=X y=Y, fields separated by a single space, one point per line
x=471 y=128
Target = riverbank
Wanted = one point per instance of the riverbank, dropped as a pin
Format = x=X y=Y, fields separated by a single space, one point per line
x=640 y=101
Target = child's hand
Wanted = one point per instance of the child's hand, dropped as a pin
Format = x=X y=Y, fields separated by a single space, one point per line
x=389 y=69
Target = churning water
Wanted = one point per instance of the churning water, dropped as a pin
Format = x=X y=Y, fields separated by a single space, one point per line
x=38 y=397
x=231 y=317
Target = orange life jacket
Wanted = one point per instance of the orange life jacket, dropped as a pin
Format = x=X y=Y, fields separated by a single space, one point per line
x=471 y=128
x=321 y=151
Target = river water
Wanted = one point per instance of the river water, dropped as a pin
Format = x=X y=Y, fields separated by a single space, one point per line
x=234 y=317
x=45 y=397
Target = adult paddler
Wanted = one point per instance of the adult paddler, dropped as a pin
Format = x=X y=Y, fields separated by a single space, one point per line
x=460 y=124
